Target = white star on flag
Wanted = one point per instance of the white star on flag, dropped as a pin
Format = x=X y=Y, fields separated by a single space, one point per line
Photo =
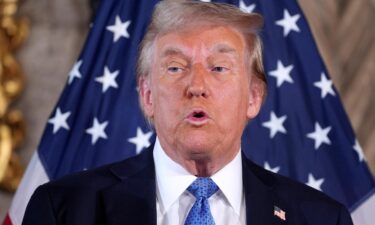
x=275 y=124
x=315 y=183
x=119 y=29
x=269 y=168
x=74 y=73
x=289 y=22
x=320 y=135
x=325 y=86
x=282 y=73
x=97 y=130
x=245 y=8
x=358 y=149
x=59 y=120
x=108 y=79
x=142 y=140
x=205 y=0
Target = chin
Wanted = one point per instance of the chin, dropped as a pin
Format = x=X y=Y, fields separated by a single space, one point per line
x=196 y=148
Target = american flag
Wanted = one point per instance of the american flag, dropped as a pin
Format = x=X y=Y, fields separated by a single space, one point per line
x=302 y=131
x=279 y=213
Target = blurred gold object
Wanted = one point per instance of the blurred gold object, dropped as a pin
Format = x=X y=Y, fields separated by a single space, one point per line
x=13 y=32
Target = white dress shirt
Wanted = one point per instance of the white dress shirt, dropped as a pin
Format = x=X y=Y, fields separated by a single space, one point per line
x=173 y=201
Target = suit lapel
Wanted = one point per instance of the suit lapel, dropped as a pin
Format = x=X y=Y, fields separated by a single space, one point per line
x=132 y=200
x=259 y=195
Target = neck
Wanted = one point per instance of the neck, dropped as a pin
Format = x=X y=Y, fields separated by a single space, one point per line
x=202 y=163
x=201 y=168
x=206 y=167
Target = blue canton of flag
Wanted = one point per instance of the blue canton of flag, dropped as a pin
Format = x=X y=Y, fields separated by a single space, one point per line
x=302 y=131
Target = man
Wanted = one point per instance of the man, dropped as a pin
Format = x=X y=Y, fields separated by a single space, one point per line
x=201 y=80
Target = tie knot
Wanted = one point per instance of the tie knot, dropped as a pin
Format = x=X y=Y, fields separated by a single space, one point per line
x=203 y=187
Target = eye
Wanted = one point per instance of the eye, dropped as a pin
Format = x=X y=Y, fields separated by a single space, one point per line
x=175 y=69
x=219 y=69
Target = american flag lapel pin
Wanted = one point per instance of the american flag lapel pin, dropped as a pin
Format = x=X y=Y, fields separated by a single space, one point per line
x=279 y=213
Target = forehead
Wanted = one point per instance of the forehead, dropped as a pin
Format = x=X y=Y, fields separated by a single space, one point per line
x=210 y=39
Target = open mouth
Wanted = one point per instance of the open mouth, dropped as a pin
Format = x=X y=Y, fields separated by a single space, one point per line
x=197 y=116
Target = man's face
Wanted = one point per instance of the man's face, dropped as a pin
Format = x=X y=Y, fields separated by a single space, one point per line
x=199 y=93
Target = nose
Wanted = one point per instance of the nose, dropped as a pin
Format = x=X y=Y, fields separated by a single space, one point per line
x=198 y=83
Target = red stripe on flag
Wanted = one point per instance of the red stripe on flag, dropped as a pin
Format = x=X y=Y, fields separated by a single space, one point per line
x=7 y=221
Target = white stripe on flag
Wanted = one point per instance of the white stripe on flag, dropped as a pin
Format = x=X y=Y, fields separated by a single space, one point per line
x=34 y=176
x=365 y=213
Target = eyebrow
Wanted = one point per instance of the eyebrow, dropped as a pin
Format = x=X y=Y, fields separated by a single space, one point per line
x=220 y=48
x=223 y=48
x=172 y=51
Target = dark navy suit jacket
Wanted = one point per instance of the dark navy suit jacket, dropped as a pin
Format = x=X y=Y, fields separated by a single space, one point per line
x=124 y=193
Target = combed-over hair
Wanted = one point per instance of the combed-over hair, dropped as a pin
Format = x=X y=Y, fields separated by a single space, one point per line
x=174 y=15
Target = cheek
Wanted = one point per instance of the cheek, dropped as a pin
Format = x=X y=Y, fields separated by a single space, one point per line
x=168 y=101
x=233 y=103
x=229 y=104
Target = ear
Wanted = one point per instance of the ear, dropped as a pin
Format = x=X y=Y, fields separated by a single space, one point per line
x=146 y=96
x=257 y=92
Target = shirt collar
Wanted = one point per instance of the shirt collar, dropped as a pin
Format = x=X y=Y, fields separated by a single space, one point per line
x=229 y=180
x=172 y=179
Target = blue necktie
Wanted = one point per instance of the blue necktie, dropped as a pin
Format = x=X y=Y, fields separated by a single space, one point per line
x=202 y=188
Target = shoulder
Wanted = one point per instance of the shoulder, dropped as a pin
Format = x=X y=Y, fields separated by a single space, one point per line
x=300 y=200
x=284 y=185
x=78 y=198
x=85 y=182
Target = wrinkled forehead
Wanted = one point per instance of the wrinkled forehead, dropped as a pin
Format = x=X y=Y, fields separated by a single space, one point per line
x=202 y=39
